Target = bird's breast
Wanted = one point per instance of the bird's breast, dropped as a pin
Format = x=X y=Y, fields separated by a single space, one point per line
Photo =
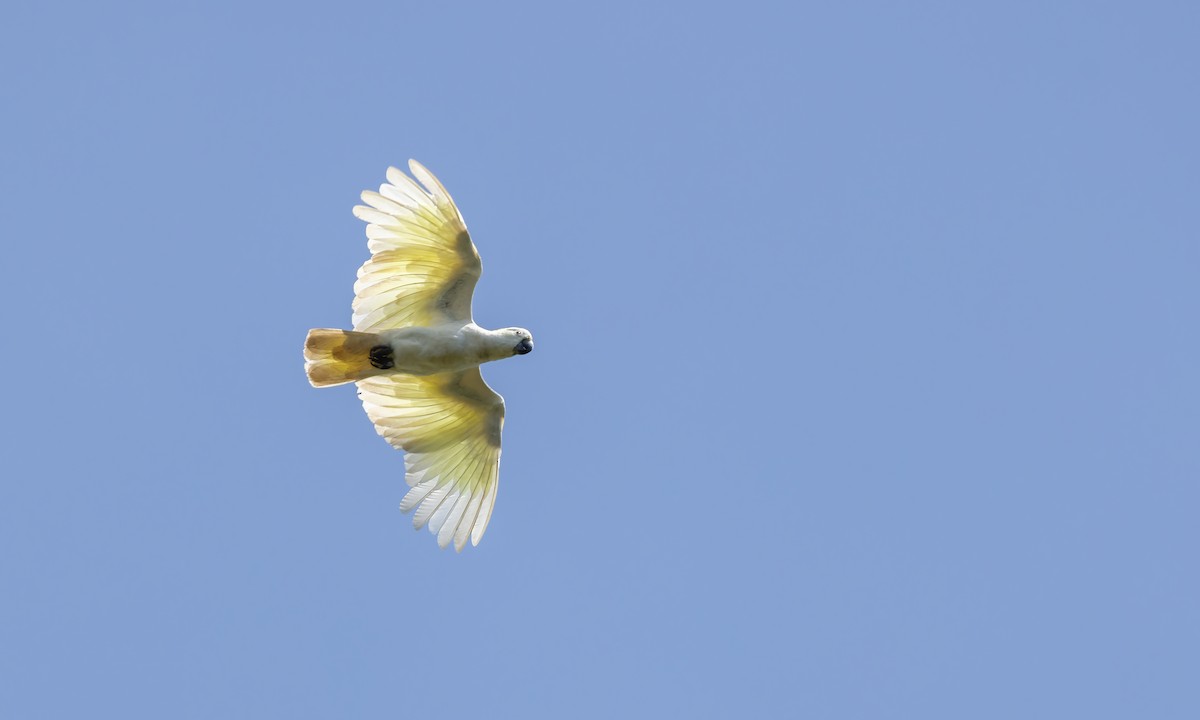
x=427 y=351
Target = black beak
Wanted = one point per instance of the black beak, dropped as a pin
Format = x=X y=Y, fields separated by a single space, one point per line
x=523 y=347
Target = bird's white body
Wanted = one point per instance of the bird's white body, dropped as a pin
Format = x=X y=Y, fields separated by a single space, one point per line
x=449 y=347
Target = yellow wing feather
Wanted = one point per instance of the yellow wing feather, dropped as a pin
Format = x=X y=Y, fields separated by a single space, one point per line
x=449 y=426
x=423 y=265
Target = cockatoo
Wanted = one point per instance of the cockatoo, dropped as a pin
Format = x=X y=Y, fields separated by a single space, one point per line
x=415 y=354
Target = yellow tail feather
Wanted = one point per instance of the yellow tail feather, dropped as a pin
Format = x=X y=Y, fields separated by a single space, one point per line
x=333 y=357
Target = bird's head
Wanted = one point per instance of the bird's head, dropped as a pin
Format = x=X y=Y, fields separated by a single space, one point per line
x=522 y=340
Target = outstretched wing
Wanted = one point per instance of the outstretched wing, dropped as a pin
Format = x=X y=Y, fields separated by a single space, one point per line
x=449 y=428
x=423 y=265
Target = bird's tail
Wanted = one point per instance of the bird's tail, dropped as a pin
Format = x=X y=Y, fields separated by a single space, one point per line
x=333 y=357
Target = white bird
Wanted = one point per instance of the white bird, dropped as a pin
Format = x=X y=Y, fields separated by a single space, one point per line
x=415 y=354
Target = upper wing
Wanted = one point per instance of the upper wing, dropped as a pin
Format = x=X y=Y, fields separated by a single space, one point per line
x=449 y=428
x=423 y=265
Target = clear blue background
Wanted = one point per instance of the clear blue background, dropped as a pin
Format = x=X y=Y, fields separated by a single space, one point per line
x=865 y=382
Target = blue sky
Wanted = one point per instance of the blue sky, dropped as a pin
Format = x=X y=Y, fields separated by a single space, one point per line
x=865 y=382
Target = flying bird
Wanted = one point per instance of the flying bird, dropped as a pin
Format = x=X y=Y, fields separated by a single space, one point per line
x=415 y=353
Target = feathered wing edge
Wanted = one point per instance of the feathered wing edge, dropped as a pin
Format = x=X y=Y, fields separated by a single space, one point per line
x=453 y=510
